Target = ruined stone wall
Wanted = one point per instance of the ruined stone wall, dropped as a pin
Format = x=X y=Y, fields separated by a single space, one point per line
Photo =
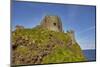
x=72 y=36
x=52 y=23
x=19 y=27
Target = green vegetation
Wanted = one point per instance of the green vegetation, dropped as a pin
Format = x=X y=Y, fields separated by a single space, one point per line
x=41 y=46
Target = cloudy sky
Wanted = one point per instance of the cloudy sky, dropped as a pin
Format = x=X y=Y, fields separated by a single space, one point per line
x=79 y=18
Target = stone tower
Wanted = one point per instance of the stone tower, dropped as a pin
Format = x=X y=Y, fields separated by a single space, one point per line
x=52 y=23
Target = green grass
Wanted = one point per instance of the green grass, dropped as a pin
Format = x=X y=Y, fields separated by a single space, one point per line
x=42 y=38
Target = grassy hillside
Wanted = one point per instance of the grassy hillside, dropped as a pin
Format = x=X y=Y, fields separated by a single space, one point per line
x=40 y=46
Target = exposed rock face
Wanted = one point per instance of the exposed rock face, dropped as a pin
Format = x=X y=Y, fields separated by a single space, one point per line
x=52 y=23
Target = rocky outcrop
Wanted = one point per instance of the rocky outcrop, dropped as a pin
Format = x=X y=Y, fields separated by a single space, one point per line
x=42 y=46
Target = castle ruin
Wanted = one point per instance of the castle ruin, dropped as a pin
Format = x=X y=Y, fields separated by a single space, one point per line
x=52 y=23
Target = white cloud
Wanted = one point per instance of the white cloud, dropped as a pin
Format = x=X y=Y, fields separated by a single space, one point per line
x=88 y=29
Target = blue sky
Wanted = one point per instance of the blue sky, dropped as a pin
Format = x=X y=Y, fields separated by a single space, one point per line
x=79 y=18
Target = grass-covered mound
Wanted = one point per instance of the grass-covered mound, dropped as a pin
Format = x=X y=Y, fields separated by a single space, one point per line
x=40 y=46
